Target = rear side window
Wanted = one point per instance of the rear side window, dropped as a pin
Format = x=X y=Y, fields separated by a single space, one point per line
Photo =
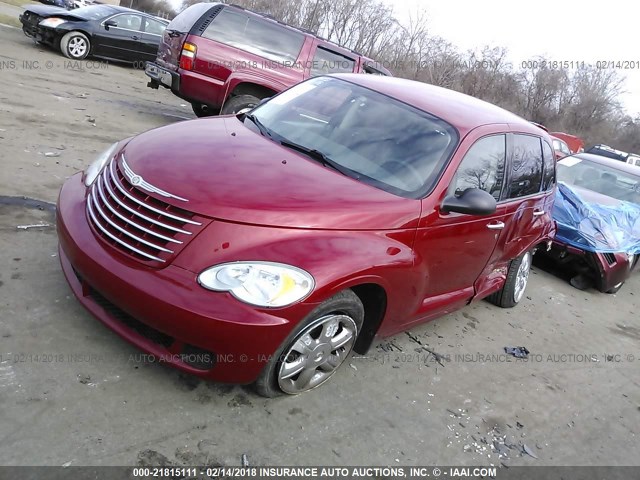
x=260 y=37
x=526 y=166
x=186 y=19
x=549 y=178
x=326 y=61
x=482 y=167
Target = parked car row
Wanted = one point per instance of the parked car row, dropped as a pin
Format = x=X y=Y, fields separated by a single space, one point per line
x=330 y=205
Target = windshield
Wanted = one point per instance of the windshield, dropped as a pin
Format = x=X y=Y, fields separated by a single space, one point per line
x=600 y=178
x=362 y=133
x=94 y=12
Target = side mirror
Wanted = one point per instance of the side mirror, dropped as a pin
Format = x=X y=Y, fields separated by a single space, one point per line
x=473 y=201
x=110 y=23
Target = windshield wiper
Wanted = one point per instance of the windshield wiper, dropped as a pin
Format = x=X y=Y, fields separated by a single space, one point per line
x=263 y=130
x=321 y=157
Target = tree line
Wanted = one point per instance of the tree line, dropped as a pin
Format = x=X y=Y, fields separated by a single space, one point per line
x=576 y=98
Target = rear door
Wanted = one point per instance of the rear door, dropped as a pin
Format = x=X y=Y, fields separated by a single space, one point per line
x=528 y=195
x=122 y=41
x=151 y=37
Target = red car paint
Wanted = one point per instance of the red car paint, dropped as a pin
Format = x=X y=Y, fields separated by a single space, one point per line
x=258 y=200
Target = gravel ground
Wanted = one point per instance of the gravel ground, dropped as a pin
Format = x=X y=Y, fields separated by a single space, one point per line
x=72 y=392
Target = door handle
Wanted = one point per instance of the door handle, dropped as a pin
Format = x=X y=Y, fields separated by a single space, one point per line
x=538 y=213
x=135 y=37
x=495 y=226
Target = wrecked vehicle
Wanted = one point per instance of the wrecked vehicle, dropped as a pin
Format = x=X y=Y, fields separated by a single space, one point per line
x=265 y=246
x=105 y=31
x=597 y=211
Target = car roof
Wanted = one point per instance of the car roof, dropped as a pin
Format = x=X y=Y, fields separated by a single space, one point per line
x=608 y=162
x=449 y=105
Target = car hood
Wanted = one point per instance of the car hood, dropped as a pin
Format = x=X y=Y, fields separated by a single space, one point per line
x=49 y=11
x=230 y=172
x=594 y=222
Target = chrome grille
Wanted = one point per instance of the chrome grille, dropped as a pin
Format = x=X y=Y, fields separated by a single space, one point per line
x=611 y=258
x=134 y=222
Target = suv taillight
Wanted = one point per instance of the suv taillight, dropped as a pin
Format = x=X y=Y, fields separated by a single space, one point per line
x=188 y=56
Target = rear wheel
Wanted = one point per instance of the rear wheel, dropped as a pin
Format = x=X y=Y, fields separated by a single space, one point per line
x=315 y=349
x=517 y=278
x=75 y=45
x=202 y=109
x=234 y=104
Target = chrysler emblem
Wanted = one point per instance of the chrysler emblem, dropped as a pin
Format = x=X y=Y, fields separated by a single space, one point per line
x=137 y=181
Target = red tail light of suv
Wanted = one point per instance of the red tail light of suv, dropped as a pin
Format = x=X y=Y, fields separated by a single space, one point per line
x=264 y=247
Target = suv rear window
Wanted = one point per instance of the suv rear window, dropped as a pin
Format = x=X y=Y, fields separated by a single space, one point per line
x=260 y=37
x=186 y=20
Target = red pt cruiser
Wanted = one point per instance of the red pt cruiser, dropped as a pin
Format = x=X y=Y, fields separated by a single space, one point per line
x=264 y=247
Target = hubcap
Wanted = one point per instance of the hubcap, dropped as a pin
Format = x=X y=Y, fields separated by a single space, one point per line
x=77 y=47
x=316 y=353
x=522 y=277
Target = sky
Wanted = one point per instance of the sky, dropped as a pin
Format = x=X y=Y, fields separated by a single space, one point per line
x=557 y=30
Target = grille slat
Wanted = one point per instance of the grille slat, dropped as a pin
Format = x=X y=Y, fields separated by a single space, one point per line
x=116 y=181
x=128 y=220
x=611 y=258
x=134 y=222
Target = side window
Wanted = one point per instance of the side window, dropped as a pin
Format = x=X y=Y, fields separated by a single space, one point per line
x=325 y=61
x=549 y=178
x=482 y=167
x=154 y=27
x=526 y=166
x=129 y=22
x=260 y=37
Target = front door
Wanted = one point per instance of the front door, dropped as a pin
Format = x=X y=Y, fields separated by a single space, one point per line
x=121 y=41
x=456 y=248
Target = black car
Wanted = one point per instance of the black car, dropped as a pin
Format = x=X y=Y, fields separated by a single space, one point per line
x=105 y=31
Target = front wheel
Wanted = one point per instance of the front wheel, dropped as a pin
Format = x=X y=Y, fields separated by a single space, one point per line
x=75 y=45
x=514 y=286
x=315 y=349
x=233 y=105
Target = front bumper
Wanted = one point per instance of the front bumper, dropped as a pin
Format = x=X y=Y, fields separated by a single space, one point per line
x=164 y=311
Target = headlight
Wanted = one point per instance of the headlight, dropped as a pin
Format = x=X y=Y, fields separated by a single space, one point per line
x=265 y=284
x=52 y=22
x=92 y=172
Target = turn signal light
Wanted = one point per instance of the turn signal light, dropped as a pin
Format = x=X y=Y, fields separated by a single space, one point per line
x=188 y=56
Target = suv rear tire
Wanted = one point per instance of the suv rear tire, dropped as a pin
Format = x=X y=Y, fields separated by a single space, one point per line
x=235 y=104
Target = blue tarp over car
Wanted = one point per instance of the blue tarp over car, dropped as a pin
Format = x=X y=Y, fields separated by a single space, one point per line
x=594 y=226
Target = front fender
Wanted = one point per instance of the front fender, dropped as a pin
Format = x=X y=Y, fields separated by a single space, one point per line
x=336 y=259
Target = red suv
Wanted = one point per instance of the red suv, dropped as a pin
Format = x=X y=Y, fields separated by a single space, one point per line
x=223 y=58
x=265 y=246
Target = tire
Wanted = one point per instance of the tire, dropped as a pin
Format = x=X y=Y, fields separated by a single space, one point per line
x=234 y=104
x=75 y=45
x=203 y=110
x=517 y=278
x=304 y=353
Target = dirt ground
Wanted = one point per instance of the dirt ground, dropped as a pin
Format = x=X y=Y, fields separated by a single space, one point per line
x=72 y=392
